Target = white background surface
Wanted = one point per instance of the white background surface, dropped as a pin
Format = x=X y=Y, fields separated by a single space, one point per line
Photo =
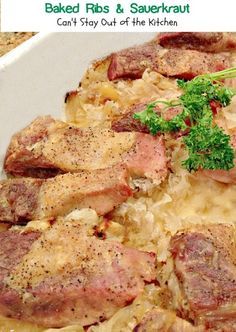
x=206 y=15
x=35 y=77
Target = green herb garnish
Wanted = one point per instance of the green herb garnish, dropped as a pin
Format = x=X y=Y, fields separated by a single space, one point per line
x=207 y=144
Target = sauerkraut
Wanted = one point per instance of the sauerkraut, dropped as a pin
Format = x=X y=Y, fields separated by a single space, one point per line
x=149 y=219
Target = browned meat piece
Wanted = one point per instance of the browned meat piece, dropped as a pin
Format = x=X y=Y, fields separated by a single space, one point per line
x=25 y=199
x=70 y=149
x=67 y=277
x=204 y=263
x=22 y=149
x=19 y=199
x=221 y=175
x=132 y=62
x=186 y=64
x=159 y=320
x=200 y=41
x=127 y=122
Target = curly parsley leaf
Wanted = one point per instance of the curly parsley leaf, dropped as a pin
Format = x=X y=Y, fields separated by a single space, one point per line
x=201 y=90
x=208 y=146
x=157 y=123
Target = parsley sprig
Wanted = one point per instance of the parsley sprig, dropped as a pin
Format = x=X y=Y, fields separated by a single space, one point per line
x=207 y=144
